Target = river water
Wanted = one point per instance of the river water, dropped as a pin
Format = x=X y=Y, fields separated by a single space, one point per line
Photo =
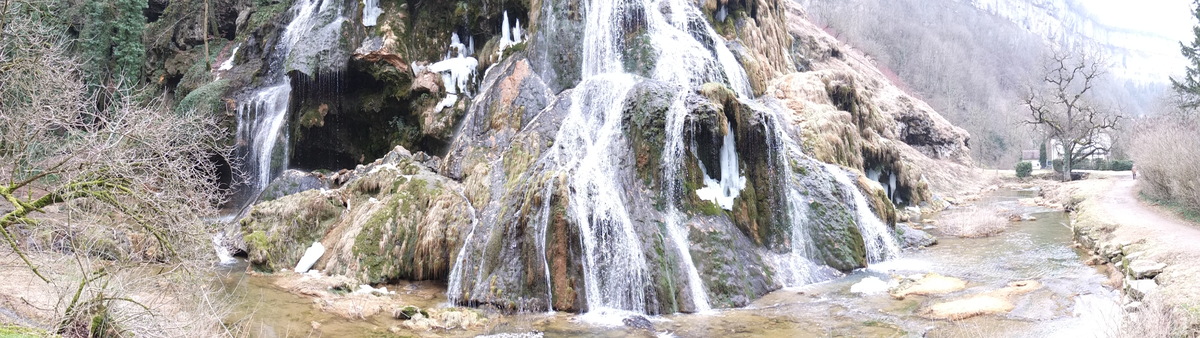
x=1072 y=301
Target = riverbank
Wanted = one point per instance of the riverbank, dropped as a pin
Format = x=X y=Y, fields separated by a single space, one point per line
x=1150 y=251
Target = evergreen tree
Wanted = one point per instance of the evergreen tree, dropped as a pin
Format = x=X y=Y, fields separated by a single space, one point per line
x=1189 y=86
x=111 y=41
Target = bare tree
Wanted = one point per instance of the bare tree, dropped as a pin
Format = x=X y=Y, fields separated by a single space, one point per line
x=1062 y=105
x=131 y=169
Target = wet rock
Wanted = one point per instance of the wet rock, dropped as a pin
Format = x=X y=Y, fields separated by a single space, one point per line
x=992 y=302
x=638 y=322
x=927 y=284
x=914 y=238
x=1143 y=269
x=291 y=182
x=909 y=214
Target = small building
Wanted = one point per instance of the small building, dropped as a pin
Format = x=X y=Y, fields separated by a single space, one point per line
x=1032 y=157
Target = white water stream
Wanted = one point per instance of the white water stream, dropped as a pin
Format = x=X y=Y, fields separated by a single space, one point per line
x=880 y=241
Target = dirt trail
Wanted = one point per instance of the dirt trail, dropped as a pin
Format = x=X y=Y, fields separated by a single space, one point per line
x=1158 y=234
x=1139 y=220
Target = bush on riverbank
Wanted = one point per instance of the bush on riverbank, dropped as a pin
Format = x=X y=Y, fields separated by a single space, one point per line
x=972 y=222
x=1168 y=162
x=1024 y=169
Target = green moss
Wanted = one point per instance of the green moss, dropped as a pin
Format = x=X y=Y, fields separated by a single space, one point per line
x=206 y=99
x=709 y=208
x=370 y=246
x=666 y=269
x=265 y=12
x=13 y=331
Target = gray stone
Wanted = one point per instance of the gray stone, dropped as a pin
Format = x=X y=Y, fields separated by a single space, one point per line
x=1142 y=269
x=638 y=322
x=912 y=238
x=1139 y=288
x=1132 y=306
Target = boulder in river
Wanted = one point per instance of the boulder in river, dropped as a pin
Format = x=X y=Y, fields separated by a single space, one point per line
x=992 y=302
x=914 y=238
x=927 y=284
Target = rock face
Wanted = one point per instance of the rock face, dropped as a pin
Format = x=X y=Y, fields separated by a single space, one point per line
x=556 y=188
x=850 y=114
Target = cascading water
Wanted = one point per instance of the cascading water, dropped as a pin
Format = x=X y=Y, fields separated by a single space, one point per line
x=262 y=114
x=881 y=243
x=262 y=117
x=371 y=13
x=681 y=59
x=796 y=267
x=454 y=281
x=613 y=265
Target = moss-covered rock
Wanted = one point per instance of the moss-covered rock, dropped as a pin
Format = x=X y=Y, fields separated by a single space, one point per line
x=392 y=220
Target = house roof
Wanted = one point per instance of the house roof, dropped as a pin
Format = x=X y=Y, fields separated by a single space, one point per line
x=1027 y=155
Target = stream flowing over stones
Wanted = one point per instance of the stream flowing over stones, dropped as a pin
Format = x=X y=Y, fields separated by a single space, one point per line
x=629 y=157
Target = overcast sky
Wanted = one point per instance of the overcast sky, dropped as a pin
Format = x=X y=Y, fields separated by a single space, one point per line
x=1168 y=18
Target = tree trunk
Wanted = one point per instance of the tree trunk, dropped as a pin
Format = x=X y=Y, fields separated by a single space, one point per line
x=1068 y=162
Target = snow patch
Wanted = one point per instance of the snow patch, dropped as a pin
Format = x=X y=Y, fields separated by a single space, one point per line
x=228 y=64
x=368 y=290
x=310 y=257
x=870 y=285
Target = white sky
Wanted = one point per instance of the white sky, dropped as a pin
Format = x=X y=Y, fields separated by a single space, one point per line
x=1168 y=18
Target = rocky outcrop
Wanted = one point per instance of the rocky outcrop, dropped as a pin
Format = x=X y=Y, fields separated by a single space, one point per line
x=848 y=113
x=502 y=218
x=392 y=220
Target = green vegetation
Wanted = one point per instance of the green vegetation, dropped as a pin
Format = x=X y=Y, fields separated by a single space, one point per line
x=111 y=41
x=13 y=331
x=1024 y=169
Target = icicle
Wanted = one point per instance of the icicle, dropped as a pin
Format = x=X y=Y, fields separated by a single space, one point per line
x=457 y=72
x=371 y=12
x=731 y=183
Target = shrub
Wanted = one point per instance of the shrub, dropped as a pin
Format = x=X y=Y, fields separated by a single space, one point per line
x=1121 y=165
x=1058 y=165
x=1024 y=169
x=972 y=223
x=1168 y=161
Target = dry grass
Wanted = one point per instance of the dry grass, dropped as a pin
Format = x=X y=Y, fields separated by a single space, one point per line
x=971 y=222
x=1167 y=154
x=1155 y=318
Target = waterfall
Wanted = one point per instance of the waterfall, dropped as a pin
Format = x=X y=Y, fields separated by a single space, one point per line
x=682 y=59
x=796 y=267
x=547 y=196
x=613 y=264
x=880 y=241
x=689 y=53
x=261 y=117
x=262 y=114
x=454 y=281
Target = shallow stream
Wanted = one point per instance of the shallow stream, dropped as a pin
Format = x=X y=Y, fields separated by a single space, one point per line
x=1072 y=300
